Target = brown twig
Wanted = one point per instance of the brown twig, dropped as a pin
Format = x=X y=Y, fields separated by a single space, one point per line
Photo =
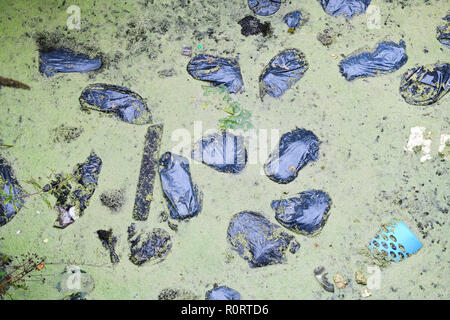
x=7 y=82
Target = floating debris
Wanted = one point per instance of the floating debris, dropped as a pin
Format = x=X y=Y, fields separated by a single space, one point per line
x=222 y=293
x=67 y=134
x=187 y=51
x=321 y=276
x=347 y=8
x=65 y=60
x=113 y=199
x=7 y=82
x=251 y=26
x=340 y=281
x=360 y=278
x=326 y=36
x=443 y=32
x=152 y=246
x=109 y=241
x=294 y=20
x=10 y=192
x=176 y=294
x=365 y=293
x=264 y=7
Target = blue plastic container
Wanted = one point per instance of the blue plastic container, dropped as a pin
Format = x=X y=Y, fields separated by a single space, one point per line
x=398 y=243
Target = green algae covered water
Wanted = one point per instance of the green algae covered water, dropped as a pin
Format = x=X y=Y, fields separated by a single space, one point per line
x=363 y=126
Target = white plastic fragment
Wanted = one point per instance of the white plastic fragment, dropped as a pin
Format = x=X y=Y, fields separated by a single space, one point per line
x=418 y=141
x=444 y=143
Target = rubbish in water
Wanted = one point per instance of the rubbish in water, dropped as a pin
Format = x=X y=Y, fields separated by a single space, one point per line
x=347 y=8
x=251 y=26
x=217 y=70
x=264 y=7
x=187 y=51
x=150 y=246
x=75 y=280
x=65 y=60
x=113 y=199
x=176 y=294
x=72 y=201
x=77 y=296
x=294 y=20
x=183 y=197
x=326 y=36
x=321 y=276
x=443 y=32
x=257 y=240
x=223 y=152
x=387 y=57
x=365 y=293
x=426 y=84
x=420 y=141
x=306 y=213
x=131 y=230
x=10 y=191
x=282 y=72
x=395 y=242
x=295 y=150
x=294 y=246
x=7 y=82
x=340 y=281
x=360 y=278
x=109 y=241
x=222 y=293
x=124 y=103
x=66 y=134
x=166 y=73
x=148 y=172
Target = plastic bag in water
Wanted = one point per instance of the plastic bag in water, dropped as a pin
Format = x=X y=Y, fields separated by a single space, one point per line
x=124 y=103
x=282 y=72
x=257 y=240
x=425 y=85
x=443 y=32
x=154 y=245
x=223 y=152
x=294 y=20
x=222 y=293
x=219 y=71
x=387 y=57
x=305 y=213
x=10 y=188
x=347 y=8
x=264 y=7
x=295 y=150
x=64 y=60
x=183 y=197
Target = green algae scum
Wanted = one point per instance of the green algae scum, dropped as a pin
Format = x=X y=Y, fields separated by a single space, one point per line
x=126 y=62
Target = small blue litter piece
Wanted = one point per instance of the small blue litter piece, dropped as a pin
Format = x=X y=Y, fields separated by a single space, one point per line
x=257 y=240
x=443 y=32
x=264 y=7
x=296 y=149
x=183 y=197
x=224 y=152
x=127 y=105
x=10 y=187
x=222 y=293
x=387 y=57
x=219 y=71
x=305 y=213
x=294 y=19
x=65 y=60
x=347 y=8
x=282 y=72
x=397 y=242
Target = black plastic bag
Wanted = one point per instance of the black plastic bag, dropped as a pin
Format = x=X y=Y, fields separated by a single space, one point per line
x=387 y=57
x=64 y=60
x=282 y=72
x=294 y=20
x=295 y=150
x=219 y=71
x=425 y=85
x=73 y=198
x=252 y=26
x=264 y=7
x=222 y=293
x=257 y=240
x=223 y=152
x=150 y=246
x=443 y=32
x=127 y=105
x=306 y=213
x=347 y=8
x=182 y=195
x=10 y=191
x=109 y=242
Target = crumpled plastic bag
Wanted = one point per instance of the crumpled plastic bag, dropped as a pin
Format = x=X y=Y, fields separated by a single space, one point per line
x=64 y=60
x=183 y=197
x=347 y=8
x=387 y=57
x=151 y=246
x=222 y=293
x=223 y=152
x=282 y=72
x=257 y=240
x=219 y=71
x=127 y=105
x=306 y=213
x=294 y=19
x=295 y=150
x=426 y=84
x=443 y=32
x=264 y=7
x=251 y=26
x=10 y=187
